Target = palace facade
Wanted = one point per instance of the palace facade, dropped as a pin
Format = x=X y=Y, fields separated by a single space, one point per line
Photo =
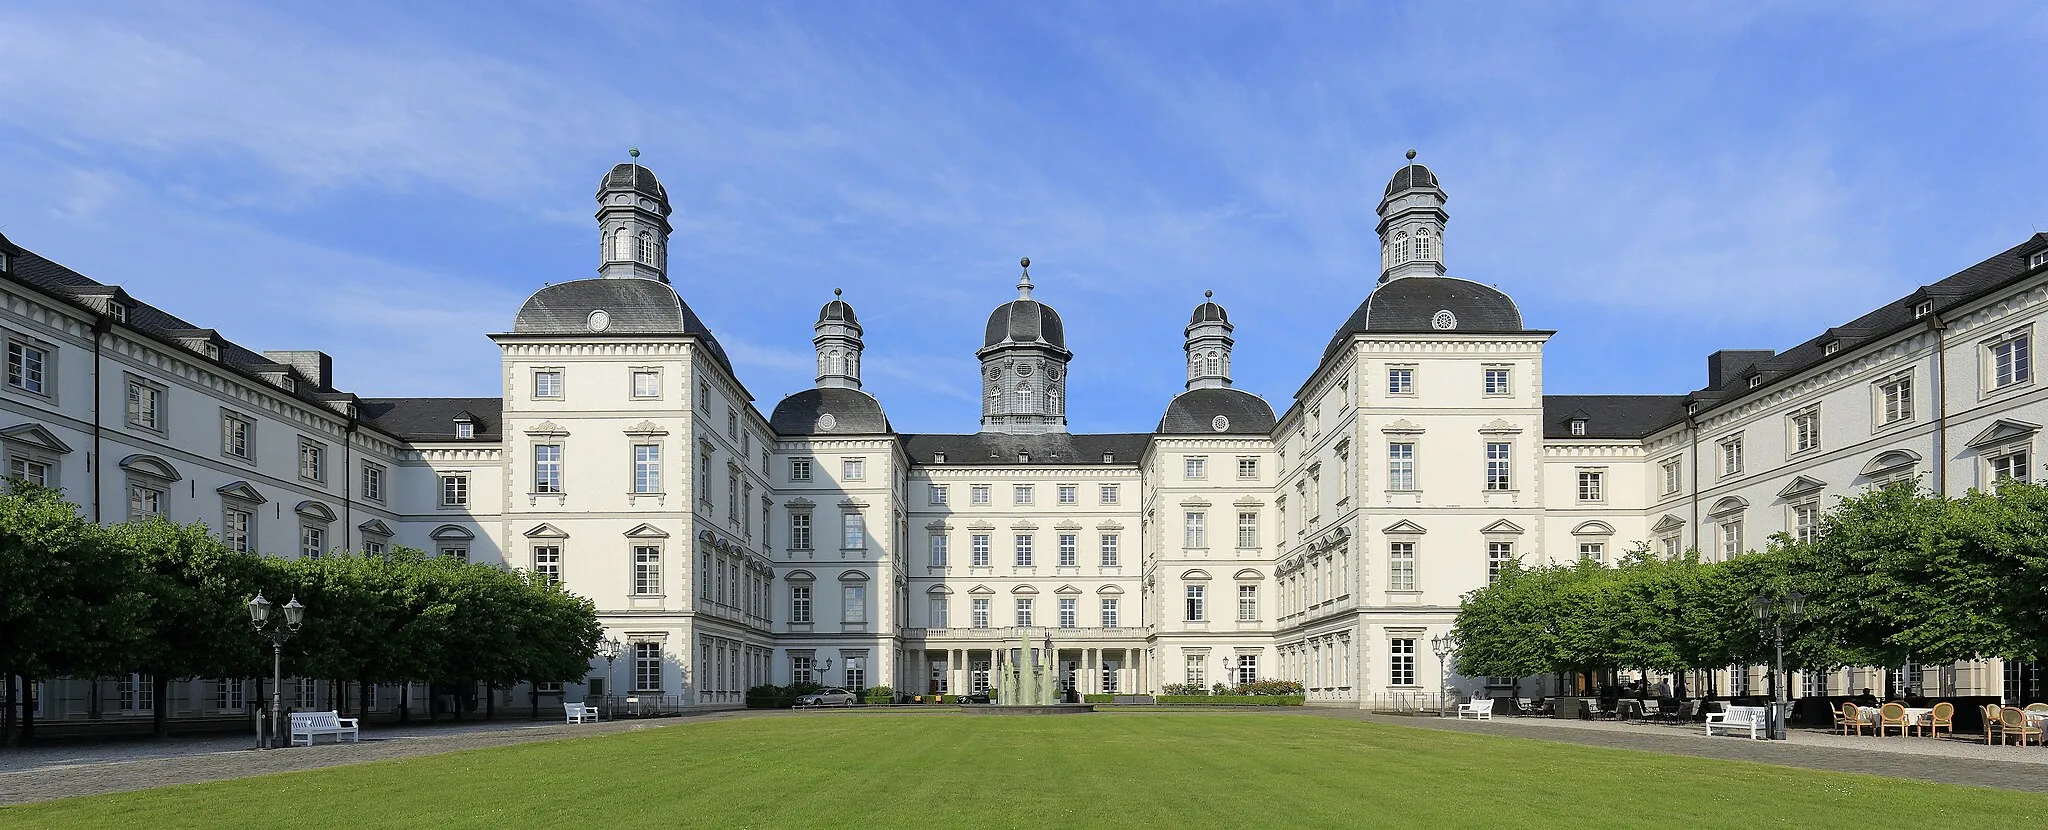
x=1327 y=542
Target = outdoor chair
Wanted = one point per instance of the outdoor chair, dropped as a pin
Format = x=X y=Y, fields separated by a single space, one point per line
x=1891 y=715
x=1991 y=722
x=2037 y=707
x=1652 y=710
x=1849 y=717
x=1943 y=717
x=2012 y=721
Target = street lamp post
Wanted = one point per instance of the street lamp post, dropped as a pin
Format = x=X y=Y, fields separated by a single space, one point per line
x=608 y=649
x=1443 y=645
x=259 y=619
x=1771 y=617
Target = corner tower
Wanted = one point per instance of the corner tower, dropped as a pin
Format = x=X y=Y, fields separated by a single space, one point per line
x=1208 y=345
x=838 y=342
x=1411 y=225
x=632 y=223
x=1024 y=366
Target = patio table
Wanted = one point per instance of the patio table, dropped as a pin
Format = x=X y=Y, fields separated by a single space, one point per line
x=1913 y=715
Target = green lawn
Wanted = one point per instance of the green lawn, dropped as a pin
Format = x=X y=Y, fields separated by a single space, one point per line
x=1106 y=770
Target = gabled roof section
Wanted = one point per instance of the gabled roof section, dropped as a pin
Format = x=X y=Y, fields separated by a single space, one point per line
x=1611 y=416
x=998 y=449
x=434 y=419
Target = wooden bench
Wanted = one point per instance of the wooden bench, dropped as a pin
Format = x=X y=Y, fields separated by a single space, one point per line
x=310 y=725
x=580 y=712
x=1478 y=709
x=1749 y=718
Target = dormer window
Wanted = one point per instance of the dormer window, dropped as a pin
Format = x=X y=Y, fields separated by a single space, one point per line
x=1109 y=458
x=2039 y=259
x=465 y=429
x=938 y=458
x=1578 y=426
x=289 y=384
x=3 y=260
x=1832 y=347
x=118 y=311
x=210 y=350
x=1756 y=381
x=1925 y=308
x=1023 y=458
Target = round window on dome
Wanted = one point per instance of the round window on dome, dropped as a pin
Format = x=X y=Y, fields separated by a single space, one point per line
x=1444 y=320
x=600 y=320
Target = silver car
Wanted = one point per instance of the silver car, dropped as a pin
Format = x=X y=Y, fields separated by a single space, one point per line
x=829 y=697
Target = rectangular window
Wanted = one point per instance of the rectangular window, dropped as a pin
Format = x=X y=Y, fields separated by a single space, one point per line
x=547 y=563
x=2010 y=467
x=1109 y=610
x=1197 y=533
x=373 y=482
x=1401 y=566
x=1247 y=603
x=1731 y=539
x=936 y=494
x=978 y=494
x=646 y=570
x=1672 y=547
x=1108 y=494
x=799 y=530
x=235 y=528
x=1672 y=481
x=2010 y=363
x=1196 y=674
x=1496 y=381
x=800 y=604
x=1196 y=467
x=465 y=429
x=1069 y=494
x=800 y=668
x=312 y=461
x=646 y=468
x=26 y=365
x=799 y=469
x=1731 y=457
x=1401 y=661
x=454 y=489
x=854 y=601
x=854 y=534
x=1070 y=612
x=312 y=541
x=646 y=383
x=1023 y=550
x=980 y=612
x=1247 y=468
x=33 y=472
x=459 y=553
x=145 y=406
x=1896 y=400
x=1021 y=495
x=230 y=695
x=938 y=550
x=978 y=550
x=235 y=438
x=1593 y=551
x=1498 y=468
x=547 y=383
x=1110 y=558
x=1806 y=430
x=853 y=469
x=1023 y=612
x=138 y=693
x=1247 y=668
x=732 y=423
x=1498 y=555
x=938 y=613
x=646 y=667
x=1401 y=381
x=1197 y=603
x=144 y=502
x=1805 y=522
x=1590 y=485
x=1070 y=550
x=547 y=468
x=1247 y=529
x=1401 y=466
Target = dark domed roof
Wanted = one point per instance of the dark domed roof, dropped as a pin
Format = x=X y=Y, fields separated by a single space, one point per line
x=1412 y=305
x=1025 y=322
x=1195 y=412
x=851 y=411
x=1208 y=313
x=635 y=178
x=837 y=311
x=630 y=306
x=1410 y=177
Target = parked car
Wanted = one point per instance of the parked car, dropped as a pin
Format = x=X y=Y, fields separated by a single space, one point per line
x=829 y=697
x=977 y=697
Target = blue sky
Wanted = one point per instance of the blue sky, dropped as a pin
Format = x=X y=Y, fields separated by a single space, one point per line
x=1654 y=181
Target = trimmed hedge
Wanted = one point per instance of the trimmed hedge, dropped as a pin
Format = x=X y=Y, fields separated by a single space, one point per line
x=1232 y=700
x=1097 y=698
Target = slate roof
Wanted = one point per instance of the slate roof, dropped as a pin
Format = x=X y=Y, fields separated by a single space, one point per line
x=637 y=179
x=433 y=419
x=1029 y=322
x=853 y=413
x=634 y=306
x=1408 y=306
x=1208 y=313
x=989 y=449
x=1194 y=413
x=1409 y=178
x=1611 y=416
x=839 y=310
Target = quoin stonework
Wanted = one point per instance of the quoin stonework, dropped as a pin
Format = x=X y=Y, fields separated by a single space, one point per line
x=725 y=548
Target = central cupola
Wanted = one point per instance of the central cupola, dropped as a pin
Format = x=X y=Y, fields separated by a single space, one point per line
x=1024 y=366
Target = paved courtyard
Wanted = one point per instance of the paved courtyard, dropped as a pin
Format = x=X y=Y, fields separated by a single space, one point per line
x=44 y=773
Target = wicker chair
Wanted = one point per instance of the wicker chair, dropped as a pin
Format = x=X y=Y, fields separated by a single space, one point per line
x=1943 y=717
x=2012 y=721
x=1991 y=722
x=1849 y=718
x=1891 y=716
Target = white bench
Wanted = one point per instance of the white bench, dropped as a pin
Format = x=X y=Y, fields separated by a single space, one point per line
x=1749 y=718
x=1478 y=709
x=580 y=712
x=309 y=725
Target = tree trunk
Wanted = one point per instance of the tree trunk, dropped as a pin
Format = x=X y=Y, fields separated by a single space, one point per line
x=490 y=702
x=7 y=713
x=95 y=706
x=405 y=703
x=533 y=701
x=160 y=714
x=364 y=692
x=28 y=710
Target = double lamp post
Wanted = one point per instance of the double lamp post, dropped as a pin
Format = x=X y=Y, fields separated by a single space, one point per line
x=1772 y=615
x=276 y=633
x=1443 y=646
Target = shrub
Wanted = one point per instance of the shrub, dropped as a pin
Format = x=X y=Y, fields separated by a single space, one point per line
x=1269 y=687
x=1232 y=700
x=1097 y=698
x=879 y=695
x=1184 y=689
x=769 y=696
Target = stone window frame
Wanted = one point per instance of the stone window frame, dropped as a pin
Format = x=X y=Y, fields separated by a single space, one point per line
x=46 y=366
x=131 y=408
x=318 y=452
x=150 y=473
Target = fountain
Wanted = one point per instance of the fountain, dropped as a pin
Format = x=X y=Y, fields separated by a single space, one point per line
x=1028 y=682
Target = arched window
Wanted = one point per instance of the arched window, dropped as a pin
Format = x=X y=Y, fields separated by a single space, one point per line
x=1423 y=244
x=833 y=366
x=1400 y=247
x=1213 y=364
x=622 y=250
x=643 y=249
x=1024 y=399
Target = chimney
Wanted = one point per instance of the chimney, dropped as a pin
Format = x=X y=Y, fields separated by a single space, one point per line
x=314 y=366
x=1722 y=366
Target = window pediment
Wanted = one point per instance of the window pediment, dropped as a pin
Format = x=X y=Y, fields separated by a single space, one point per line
x=981 y=524
x=545 y=531
x=1500 y=427
x=1109 y=590
x=1066 y=589
x=310 y=509
x=1800 y=486
x=647 y=531
x=1403 y=527
x=853 y=576
x=1024 y=525
x=1890 y=461
x=1194 y=501
x=1731 y=504
x=1593 y=528
x=938 y=526
x=546 y=429
x=1248 y=574
x=1402 y=427
x=1109 y=525
x=800 y=576
x=1069 y=524
x=446 y=533
x=1505 y=526
x=36 y=435
x=981 y=590
x=1667 y=524
x=800 y=503
x=152 y=466
x=2002 y=431
x=241 y=490
x=646 y=429
x=938 y=590
x=1194 y=575
x=1024 y=589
